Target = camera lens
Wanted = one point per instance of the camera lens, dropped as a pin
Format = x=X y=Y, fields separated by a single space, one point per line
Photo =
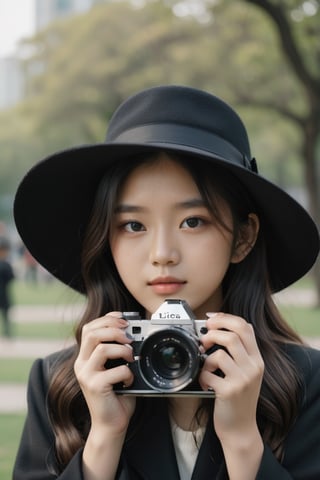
x=170 y=359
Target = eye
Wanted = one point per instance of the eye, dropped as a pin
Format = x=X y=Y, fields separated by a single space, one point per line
x=133 y=227
x=192 y=222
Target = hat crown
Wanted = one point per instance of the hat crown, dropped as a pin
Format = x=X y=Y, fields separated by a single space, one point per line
x=183 y=107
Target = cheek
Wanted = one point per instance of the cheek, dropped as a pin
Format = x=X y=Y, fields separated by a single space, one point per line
x=125 y=261
x=118 y=258
x=117 y=254
x=213 y=258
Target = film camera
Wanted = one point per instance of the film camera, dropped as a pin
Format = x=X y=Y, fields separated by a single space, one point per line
x=166 y=352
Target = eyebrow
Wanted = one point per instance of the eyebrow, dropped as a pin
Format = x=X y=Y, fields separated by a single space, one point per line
x=126 y=208
x=190 y=203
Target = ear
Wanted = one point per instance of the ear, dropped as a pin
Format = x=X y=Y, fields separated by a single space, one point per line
x=246 y=238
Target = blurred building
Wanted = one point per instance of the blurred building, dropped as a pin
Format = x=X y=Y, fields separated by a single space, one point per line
x=47 y=11
x=11 y=82
x=12 y=76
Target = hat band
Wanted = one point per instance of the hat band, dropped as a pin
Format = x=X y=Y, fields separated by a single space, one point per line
x=185 y=136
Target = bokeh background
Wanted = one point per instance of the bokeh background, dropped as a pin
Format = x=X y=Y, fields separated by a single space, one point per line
x=76 y=60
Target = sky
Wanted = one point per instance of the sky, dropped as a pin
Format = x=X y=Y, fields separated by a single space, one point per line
x=16 y=22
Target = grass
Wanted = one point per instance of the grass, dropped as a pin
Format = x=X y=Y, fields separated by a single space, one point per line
x=306 y=321
x=15 y=370
x=10 y=432
x=44 y=293
x=47 y=330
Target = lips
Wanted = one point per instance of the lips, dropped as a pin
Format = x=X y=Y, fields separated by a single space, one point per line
x=166 y=285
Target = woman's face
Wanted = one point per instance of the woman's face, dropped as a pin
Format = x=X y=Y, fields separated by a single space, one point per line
x=165 y=243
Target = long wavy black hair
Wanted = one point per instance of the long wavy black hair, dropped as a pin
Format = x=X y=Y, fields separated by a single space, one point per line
x=246 y=292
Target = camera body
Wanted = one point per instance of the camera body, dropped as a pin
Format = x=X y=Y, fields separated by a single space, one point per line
x=167 y=357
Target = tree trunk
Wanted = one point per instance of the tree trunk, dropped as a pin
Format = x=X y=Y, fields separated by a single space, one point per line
x=309 y=154
x=311 y=124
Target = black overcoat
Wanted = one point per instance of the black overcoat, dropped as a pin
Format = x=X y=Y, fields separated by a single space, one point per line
x=149 y=455
x=6 y=276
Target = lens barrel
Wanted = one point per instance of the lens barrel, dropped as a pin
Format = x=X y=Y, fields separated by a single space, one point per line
x=170 y=359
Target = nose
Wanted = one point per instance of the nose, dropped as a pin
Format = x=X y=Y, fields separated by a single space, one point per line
x=164 y=249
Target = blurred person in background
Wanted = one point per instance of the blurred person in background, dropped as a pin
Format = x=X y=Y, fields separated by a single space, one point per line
x=6 y=277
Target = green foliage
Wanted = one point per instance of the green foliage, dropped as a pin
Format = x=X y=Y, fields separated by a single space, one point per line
x=304 y=19
x=107 y=55
x=80 y=70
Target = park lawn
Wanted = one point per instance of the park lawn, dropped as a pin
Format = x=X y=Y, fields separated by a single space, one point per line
x=15 y=370
x=43 y=293
x=305 y=320
x=10 y=433
x=55 y=330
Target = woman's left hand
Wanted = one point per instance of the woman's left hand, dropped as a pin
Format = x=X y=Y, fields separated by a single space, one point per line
x=237 y=390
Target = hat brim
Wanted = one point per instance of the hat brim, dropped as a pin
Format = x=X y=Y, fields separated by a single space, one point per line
x=54 y=200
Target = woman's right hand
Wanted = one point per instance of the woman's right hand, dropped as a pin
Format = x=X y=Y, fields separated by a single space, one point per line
x=109 y=412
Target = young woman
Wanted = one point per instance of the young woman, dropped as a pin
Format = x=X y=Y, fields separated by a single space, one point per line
x=171 y=207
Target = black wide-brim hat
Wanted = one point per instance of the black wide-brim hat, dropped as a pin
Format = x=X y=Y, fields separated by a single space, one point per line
x=54 y=200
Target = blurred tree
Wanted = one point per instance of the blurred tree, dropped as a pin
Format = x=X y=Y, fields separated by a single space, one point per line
x=297 y=24
x=277 y=73
x=92 y=63
x=80 y=69
x=89 y=64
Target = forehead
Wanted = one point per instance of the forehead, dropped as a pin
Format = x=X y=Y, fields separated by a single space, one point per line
x=161 y=175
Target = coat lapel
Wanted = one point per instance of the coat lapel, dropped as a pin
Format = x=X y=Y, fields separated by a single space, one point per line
x=150 y=452
x=210 y=461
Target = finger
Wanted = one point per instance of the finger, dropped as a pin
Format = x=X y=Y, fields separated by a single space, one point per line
x=228 y=340
x=250 y=365
x=238 y=325
x=211 y=382
x=101 y=382
x=86 y=370
x=91 y=339
x=112 y=319
x=112 y=351
x=121 y=374
x=230 y=384
x=239 y=377
x=221 y=361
